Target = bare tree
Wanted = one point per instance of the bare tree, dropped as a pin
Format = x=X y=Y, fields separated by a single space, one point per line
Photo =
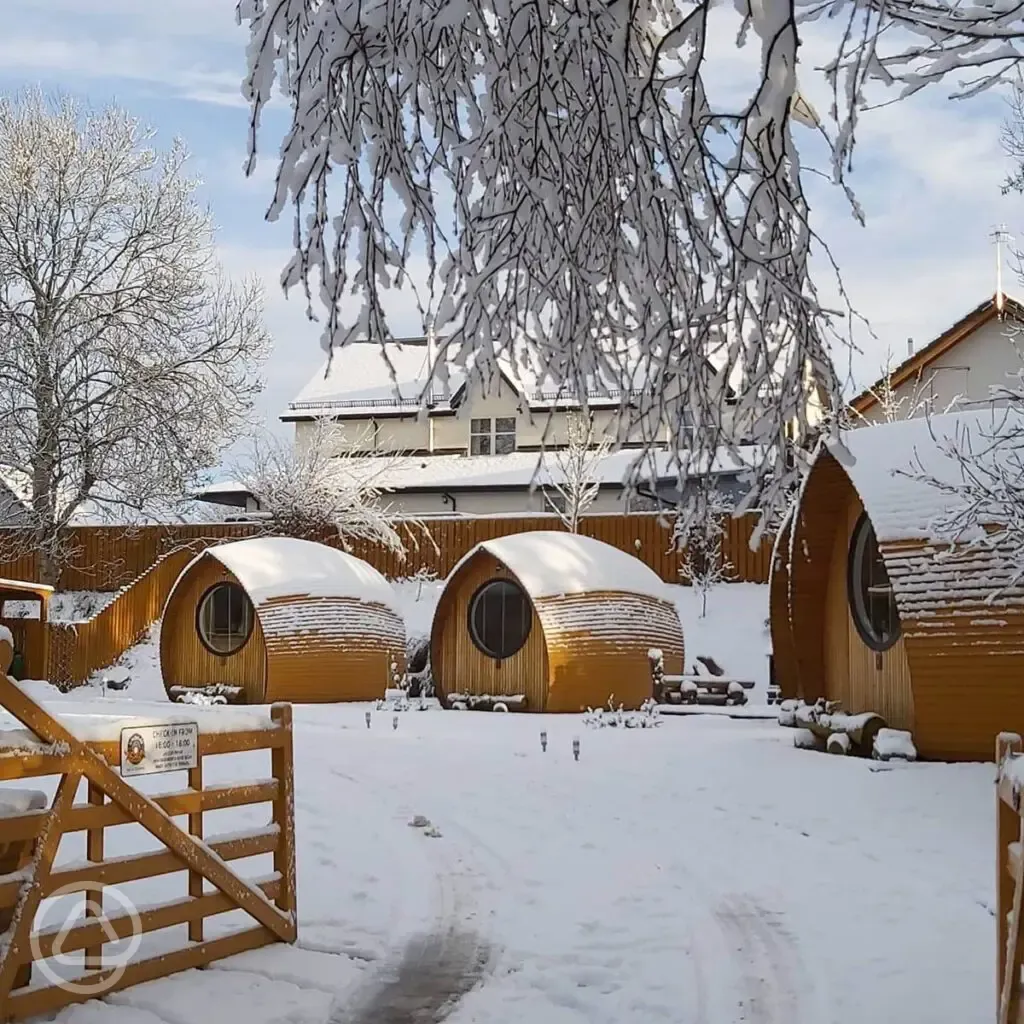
x=573 y=471
x=127 y=361
x=563 y=169
x=320 y=487
x=700 y=531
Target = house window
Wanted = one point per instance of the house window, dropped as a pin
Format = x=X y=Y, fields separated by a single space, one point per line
x=499 y=619
x=224 y=619
x=872 y=604
x=492 y=437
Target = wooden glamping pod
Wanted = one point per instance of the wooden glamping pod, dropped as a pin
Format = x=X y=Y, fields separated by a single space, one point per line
x=554 y=621
x=868 y=609
x=281 y=620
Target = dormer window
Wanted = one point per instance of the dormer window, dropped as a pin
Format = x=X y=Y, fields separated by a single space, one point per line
x=492 y=437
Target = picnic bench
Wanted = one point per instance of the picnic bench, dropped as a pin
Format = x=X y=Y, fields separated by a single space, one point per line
x=707 y=683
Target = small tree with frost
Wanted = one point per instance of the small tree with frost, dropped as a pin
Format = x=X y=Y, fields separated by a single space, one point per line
x=897 y=403
x=574 y=471
x=700 y=533
x=320 y=487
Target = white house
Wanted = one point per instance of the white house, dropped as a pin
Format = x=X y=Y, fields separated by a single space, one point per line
x=456 y=444
x=957 y=370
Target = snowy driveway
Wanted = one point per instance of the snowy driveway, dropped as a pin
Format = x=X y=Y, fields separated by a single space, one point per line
x=701 y=873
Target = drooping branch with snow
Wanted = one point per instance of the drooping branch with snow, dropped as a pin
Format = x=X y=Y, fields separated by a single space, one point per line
x=569 y=180
x=574 y=471
x=127 y=360
x=319 y=487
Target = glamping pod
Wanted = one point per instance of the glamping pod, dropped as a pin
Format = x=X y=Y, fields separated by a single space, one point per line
x=871 y=608
x=274 y=618
x=558 y=621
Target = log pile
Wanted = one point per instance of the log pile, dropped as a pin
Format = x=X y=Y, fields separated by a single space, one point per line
x=829 y=728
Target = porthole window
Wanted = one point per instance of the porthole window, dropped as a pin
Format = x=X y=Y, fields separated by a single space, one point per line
x=224 y=618
x=499 y=618
x=872 y=604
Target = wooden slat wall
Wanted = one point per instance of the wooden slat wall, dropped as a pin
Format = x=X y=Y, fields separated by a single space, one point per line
x=108 y=558
x=80 y=649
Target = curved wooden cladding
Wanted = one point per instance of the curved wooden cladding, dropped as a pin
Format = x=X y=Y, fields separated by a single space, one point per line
x=185 y=661
x=459 y=666
x=582 y=649
x=954 y=678
x=799 y=582
x=597 y=647
x=302 y=649
x=326 y=649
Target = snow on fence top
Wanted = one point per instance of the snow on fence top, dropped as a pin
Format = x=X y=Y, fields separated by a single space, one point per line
x=887 y=465
x=549 y=563
x=275 y=567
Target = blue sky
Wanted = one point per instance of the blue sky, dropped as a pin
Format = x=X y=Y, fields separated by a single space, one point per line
x=927 y=171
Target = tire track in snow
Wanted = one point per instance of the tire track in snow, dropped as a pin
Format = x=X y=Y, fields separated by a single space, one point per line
x=424 y=981
x=768 y=958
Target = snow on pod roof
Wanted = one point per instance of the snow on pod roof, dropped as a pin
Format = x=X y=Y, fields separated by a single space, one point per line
x=550 y=563
x=885 y=462
x=271 y=567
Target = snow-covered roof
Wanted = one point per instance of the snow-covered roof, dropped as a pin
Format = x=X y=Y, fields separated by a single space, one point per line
x=358 y=377
x=275 y=567
x=886 y=464
x=549 y=563
x=398 y=474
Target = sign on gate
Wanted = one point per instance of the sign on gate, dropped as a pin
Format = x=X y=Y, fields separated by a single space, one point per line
x=150 y=749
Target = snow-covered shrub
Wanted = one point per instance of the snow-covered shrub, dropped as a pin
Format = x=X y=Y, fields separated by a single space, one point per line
x=647 y=717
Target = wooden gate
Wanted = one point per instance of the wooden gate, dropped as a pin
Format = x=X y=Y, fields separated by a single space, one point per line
x=29 y=841
x=1009 y=878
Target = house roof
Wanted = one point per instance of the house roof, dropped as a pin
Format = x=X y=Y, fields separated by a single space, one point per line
x=550 y=563
x=984 y=312
x=271 y=568
x=364 y=379
x=520 y=470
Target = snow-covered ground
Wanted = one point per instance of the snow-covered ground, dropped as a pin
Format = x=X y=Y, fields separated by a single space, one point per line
x=704 y=872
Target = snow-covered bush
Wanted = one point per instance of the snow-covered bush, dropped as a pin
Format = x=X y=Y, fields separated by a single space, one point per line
x=419 y=680
x=647 y=717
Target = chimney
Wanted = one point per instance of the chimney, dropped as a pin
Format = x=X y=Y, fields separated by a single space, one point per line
x=910 y=347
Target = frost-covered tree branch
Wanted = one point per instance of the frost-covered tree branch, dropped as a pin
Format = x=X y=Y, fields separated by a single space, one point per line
x=899 y=402
x=574 y=471
x=127 y=360
x=320 y=487
x=569 y=179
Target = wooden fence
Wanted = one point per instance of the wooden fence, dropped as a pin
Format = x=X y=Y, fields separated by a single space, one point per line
x=76 y=650
x=108 y=558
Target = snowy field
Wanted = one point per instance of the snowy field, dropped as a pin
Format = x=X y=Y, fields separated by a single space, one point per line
x=703 y=872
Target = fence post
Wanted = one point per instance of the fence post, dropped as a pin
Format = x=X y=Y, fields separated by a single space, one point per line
x=1008 y=827
x=282 y=761
x=94 y=893
x=195 y=828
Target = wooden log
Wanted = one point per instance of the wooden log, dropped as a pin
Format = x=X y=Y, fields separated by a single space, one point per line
x=839 y=743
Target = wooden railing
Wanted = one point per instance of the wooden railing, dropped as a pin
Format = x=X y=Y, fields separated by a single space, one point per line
x=1009 y=878
x=31 y=835
x=79 y=649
